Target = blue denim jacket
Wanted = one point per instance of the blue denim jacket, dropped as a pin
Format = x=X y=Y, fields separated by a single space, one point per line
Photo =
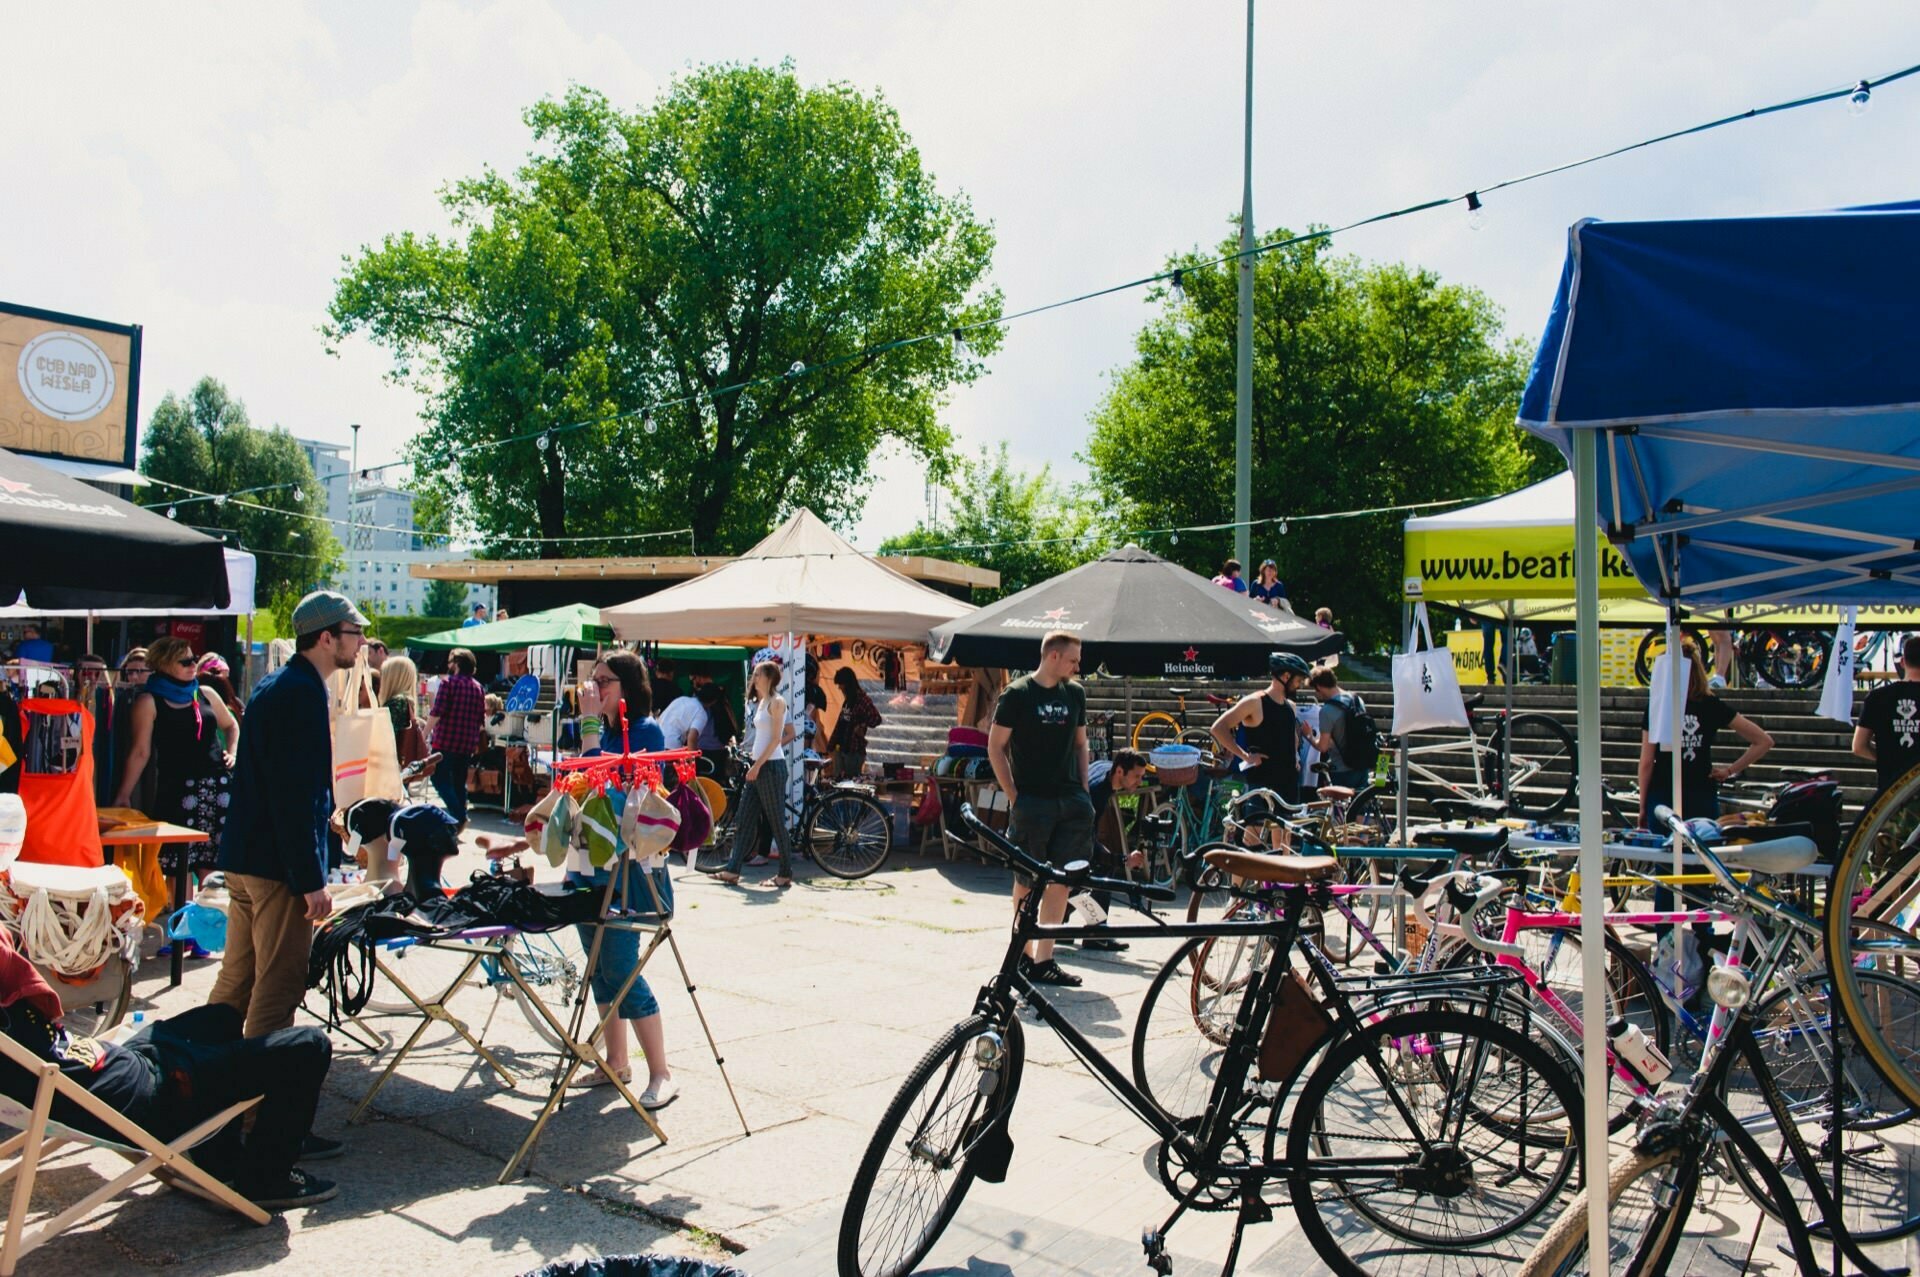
x=283 y=782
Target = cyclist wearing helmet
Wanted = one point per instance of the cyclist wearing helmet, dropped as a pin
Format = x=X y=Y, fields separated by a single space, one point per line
x=1270 y=728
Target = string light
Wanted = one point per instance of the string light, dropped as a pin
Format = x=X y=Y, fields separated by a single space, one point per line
x=1476 y=214
x=173 y=512
x=1179 y=282
x=1860 y=99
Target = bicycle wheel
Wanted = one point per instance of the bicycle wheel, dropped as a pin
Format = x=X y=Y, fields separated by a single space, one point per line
x=1156 y=728
x=1554 y=954
x=427 y=970
x=1415 y=1140
x=1877 y=879
x=552 y=975
x=1540 y=763
x=849 y=834
x=1793 y=1032
x=921 y=1159
x=1654 y=642
x=1178 y=1041
x=1795 y=658
x=1642 y=1193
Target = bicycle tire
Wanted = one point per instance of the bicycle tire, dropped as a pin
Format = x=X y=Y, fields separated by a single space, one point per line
x=1654 y=642
x=1876 y=1200
x=953 y=1052
x=1546 y=747
x=1880 y=860
x=1795 y=659
x=1413 y=1063
x=849 y=834
x=1161 y=721
x=1634 y=1190
x=1631 y=992
x=1173 y=1057
x=428 y=971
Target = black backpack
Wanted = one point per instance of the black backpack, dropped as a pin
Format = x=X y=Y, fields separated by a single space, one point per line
x=1361 y=749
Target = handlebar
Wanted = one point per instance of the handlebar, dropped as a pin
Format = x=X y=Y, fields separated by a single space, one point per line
x=1075 y=873
x=1486 y=889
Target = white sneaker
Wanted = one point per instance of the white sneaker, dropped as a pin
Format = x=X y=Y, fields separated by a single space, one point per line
x=659 y=1093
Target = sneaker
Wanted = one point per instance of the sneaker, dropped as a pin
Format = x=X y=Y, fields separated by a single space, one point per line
x=659 y=1094
x=318 y=1148
x=297 y=1189
x=1051 y=972
x=1101 y=944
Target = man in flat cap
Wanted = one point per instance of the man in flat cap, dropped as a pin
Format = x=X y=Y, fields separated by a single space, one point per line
x=274 y=849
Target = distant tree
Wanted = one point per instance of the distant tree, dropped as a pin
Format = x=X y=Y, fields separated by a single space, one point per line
x=206 y=443
x=1374 y=385
x=1025 y=526
x=741 y=227
x=445 y=598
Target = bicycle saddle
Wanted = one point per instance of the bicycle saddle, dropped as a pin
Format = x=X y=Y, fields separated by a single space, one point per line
x=1335 y=793
x=1253 y=865
x=1475 y=841
x=1470 y=808
x=1781 y=855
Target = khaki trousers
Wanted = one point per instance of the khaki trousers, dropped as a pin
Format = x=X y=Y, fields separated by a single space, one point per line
x=264 y=972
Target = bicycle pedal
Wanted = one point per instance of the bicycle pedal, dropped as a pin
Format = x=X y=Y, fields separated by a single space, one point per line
x=1154 y=1242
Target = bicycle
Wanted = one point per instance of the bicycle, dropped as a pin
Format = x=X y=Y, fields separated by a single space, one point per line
x=1526 y=762
x=1651 y=1195
x=1161 y=727
x=1790 y=659
x=842 y=826
x=1414 y=1126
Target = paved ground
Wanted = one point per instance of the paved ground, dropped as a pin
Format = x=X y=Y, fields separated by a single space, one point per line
x=821 y=998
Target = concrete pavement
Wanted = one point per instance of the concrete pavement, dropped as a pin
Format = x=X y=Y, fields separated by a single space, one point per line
x=821 y=998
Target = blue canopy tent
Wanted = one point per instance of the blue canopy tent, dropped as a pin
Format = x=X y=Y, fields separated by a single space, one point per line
x=1740 y=402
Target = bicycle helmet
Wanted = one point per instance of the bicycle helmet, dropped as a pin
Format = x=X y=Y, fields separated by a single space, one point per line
x=1287 y=663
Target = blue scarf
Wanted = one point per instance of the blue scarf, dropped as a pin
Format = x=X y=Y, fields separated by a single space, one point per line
x=172 y=690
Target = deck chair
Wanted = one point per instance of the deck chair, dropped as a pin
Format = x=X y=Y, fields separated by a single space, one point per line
x=40 y=1136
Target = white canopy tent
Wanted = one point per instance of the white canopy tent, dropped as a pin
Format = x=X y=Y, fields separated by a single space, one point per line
x=804 y=578
x=242 y=569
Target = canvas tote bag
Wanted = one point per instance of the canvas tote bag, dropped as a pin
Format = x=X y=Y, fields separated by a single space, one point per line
x=366 y=762
x=1426 y=694
x=1836 y=696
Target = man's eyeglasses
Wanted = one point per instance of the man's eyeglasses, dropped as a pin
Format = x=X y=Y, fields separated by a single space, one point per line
x=347 y=633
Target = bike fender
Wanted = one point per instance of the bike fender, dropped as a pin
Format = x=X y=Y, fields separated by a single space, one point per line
x=993 y=1154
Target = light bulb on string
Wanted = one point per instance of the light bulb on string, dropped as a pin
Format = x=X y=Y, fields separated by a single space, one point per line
x=796 y=368
x=1860 y=99
x=1179 y=282
x=544 y=442
x=1173 y=539
x=1476 y=212
x=1283 y=527
x=648 y=424
x=221 y=499
x=173 y=512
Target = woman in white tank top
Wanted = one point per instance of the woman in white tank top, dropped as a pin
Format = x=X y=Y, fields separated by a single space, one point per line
x=763 y=798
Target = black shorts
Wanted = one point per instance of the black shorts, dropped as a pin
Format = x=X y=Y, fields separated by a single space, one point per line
x=1056 y=830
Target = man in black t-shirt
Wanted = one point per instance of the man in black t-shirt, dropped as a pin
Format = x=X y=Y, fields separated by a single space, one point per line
x=1038 y=748
x=1889 y=729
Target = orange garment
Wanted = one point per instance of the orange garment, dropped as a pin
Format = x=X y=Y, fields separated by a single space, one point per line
x=63 y=826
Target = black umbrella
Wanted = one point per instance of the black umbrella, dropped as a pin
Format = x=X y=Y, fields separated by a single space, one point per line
x=70 y=546
x=1135 y=613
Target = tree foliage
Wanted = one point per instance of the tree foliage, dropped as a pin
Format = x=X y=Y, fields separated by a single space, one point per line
x=1025 y=526
x=445 y=598
x=743 y=225
x=205 y=442
x=1374 y=385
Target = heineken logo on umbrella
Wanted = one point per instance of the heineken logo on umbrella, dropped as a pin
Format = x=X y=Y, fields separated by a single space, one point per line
x=1051 y=619
x=14 y=492
x=1189 y=663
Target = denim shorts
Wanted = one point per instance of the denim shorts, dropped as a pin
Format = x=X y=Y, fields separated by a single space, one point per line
x=620 y=950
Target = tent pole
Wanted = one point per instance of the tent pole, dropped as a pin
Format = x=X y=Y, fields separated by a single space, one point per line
x=1679 y=680
x=1400 y=764
x=1593 y=1053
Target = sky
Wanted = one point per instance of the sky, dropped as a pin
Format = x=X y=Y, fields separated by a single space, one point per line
x=202 y=169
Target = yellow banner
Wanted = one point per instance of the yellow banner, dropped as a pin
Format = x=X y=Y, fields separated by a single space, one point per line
x=1468 y=649
x=1505 y=563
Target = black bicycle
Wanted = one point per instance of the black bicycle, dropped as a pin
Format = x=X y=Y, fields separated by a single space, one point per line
x=1425 y=1137
x=840 y=825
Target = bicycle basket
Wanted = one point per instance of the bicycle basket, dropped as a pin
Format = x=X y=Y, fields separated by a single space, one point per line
x=1176 y=765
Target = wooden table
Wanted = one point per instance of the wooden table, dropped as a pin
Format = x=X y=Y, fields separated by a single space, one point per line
x=159 y=831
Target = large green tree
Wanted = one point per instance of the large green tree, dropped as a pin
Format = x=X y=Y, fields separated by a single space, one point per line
x=444 y=599
x=205 y=442
x=1374 y=385
x=1024 y=525
x=742 y=227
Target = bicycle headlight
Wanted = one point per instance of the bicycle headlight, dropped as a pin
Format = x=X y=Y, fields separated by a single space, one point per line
x=989 y=1050
x=1729 y=987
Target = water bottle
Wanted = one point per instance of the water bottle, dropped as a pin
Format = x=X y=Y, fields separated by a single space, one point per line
x=1633 y=1048
x=139 y=1019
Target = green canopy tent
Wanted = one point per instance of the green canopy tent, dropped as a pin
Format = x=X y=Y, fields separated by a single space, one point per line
x=575 y=625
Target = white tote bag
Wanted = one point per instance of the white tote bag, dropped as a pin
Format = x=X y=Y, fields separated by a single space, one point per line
x=1426 y=693
x=366 y=761
x=1836 y=697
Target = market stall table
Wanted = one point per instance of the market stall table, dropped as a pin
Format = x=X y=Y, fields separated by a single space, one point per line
x=164 y=834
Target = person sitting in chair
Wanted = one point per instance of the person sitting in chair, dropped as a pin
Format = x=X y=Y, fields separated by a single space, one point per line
x=171 y=1076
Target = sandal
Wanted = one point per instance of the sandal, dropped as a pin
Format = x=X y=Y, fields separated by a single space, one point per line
x=782 y=880
x=727 y=876
x=1051 y=972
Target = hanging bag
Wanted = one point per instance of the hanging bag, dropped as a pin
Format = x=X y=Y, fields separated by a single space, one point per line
x=1836 y=696
x=1426 y=693
x=366 y=761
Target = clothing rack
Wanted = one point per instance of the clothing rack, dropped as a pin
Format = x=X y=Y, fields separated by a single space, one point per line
x=638 y=767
